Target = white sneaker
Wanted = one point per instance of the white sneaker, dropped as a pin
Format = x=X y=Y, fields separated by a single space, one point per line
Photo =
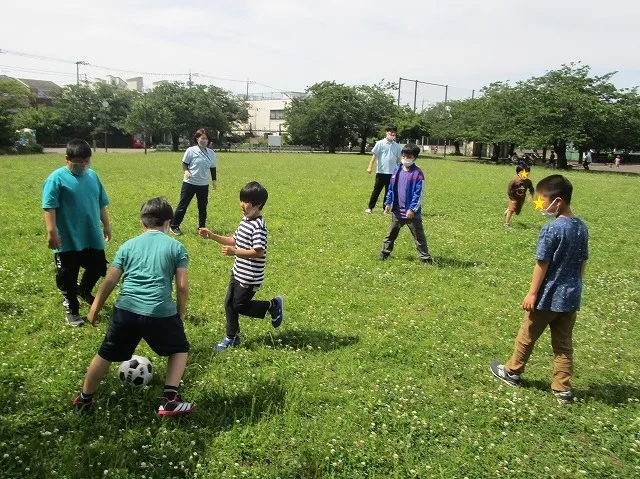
x=367 y=211
x=74 y=320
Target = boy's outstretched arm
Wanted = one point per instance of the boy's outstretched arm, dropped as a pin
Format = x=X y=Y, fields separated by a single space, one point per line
x=110 y=281
x=106 y=225
x=583 y=268
x=225 y=240
x=243 y=253
x=53 y=239
x=182 y=292
x=539 y=272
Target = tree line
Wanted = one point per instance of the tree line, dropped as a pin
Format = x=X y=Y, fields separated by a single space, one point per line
x=80 y=111
x=567 y=106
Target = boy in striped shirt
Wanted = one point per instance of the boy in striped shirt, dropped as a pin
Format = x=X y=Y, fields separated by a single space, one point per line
x=249 y=247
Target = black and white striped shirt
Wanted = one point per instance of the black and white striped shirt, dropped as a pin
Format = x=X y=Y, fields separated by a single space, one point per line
x=251 y=234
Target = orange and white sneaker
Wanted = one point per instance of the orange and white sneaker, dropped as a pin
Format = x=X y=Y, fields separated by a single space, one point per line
x=175 y=407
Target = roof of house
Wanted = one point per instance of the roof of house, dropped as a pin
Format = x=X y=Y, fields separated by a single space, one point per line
x=39 y=84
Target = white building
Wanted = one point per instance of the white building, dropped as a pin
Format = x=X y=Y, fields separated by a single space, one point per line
x=266 y=112
x=135 y=83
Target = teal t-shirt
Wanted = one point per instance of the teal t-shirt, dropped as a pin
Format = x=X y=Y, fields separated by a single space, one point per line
x=77 y=201
x=148 y=263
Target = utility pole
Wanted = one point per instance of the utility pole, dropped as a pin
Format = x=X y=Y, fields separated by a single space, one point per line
x=246 y=98
x=473 y=92
x=145 y=123
x=399 y=88
x=446 y=96
x=78 y=71
x=189 y=83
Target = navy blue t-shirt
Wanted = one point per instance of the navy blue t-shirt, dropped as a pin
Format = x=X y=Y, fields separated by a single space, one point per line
x=564 y=243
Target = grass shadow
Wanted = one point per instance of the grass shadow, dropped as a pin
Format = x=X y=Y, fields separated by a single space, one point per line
x=610 y=394
x=444 y=262
x=221 y=412
x=303 y=339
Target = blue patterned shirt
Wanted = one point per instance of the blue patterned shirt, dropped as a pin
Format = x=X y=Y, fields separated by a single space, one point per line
x=564 y=244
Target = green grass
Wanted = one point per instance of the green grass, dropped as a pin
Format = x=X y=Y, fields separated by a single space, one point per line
x=381 y=369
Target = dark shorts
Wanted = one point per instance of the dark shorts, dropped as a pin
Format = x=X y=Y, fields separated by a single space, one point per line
x=164 y=335
x=516 y=205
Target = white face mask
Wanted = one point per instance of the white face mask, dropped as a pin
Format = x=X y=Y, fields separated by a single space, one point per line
x=548 y=213
x=203 y=142
x=78 y=169
x=407 y=162
x=391 y=137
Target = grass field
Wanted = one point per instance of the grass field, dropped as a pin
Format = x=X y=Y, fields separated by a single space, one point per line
x=381 y=369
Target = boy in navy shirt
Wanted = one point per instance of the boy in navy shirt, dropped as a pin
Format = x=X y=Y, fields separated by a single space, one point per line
x=554 y=295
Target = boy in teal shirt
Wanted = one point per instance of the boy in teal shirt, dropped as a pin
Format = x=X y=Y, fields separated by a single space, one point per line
x=74 y=203
x=145 y=309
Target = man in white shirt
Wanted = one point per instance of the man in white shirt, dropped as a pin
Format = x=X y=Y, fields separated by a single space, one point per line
x=386 y=155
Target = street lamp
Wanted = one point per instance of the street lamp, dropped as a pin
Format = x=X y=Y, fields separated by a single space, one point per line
x=105 y=105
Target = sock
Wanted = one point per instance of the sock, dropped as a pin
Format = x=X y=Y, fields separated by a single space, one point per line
x=272 y=304
x=86 y=398
x=170 y=392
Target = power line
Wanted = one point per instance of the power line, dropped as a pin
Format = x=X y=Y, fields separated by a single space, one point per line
x=33 y=70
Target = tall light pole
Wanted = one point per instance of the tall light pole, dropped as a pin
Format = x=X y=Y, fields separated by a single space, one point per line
x=105 y=105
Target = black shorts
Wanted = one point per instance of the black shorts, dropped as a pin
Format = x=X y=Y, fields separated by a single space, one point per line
x=164 y=335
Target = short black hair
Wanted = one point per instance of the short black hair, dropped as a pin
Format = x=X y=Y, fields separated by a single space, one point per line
x=519 y=169
x=391 y=128
x=254 y=193
x=411 y=149
x=78 y=149
x=556 y=186
x=155 y=212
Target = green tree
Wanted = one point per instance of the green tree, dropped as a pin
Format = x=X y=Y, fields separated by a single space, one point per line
x=44 y=119
x=176 y=109
x=410 y=125
x=14 y=97
x=567 y=105
x=327 y=115
x=376 y=106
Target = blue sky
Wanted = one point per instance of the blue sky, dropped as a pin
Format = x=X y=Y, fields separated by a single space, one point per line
x=290 y=45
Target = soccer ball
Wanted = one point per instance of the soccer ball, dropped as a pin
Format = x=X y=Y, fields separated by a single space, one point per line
x=136 y=372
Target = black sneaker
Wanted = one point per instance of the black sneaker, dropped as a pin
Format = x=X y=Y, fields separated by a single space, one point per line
x=176 y=407
x=175 y=230
x=277 y=314
x=428 y=260
x=500 y=372
x=383 y=256
x=563 y=397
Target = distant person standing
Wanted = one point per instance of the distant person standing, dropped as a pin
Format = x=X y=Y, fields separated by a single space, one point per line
x=197 y=163
x=587 y=160
x=386 y=155
x=618 y=161
x=552 y=159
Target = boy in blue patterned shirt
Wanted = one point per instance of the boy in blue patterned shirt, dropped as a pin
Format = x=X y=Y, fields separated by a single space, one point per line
x=554 y=295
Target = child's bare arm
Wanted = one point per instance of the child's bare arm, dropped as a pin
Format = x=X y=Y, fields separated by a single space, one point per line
x=110 y=282
x=182 y=292
x=539 y=272
x=104 y=217
x=225 y=240
x=53 y=239
x=243 y=253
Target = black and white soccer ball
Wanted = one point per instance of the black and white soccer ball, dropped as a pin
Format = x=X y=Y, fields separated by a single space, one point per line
x=136 y=372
